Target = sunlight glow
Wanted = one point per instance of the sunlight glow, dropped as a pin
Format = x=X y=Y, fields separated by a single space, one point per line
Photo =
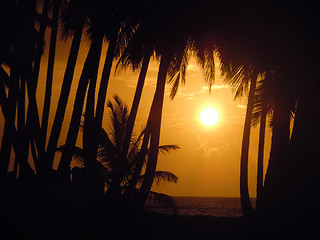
x=209 y=116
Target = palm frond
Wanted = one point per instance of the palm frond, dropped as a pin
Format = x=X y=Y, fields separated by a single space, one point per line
x=167 y=148
x=163 y=200
x=263 y=96
x=178 y=67
x=162 y=177
x=77 y=155
x=135 y=145
x=73 y=17
x=205 y=58
x=165 y=176
x=77 y=152
x=119 y=118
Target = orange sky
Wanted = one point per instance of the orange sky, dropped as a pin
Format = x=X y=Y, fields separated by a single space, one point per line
x=208 y=162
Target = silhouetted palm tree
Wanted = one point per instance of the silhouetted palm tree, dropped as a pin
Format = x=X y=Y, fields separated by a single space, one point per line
x=240 y=81
x=57 y=7
x=173 y=53
x=118 y=30
x=138 y=52
x=74 y=19
x=115 y=170
x=17 y=53
x=89 y=70
x=262 y=108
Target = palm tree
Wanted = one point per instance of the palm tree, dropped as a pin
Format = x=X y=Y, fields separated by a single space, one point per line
x=90 y=67
x=58 y=5
x=137 y=51
x=18 y=55
x=76 y=12
x=153 y=129
x=110 y=165
x=173 y=53
x=284 y=99
x=262 y=108
x=240 y=82
x=117 y=31
x=40 y=41
x=122 y=168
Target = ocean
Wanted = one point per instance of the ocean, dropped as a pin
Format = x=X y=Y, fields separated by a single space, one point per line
x=204 y=206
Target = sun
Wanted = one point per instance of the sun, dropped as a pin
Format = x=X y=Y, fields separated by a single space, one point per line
x=209 y=116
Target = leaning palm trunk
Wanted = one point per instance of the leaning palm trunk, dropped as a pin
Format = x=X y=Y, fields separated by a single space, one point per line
x=276 y=182
x=140 y=158
x=48 y=91
x=102 y=93
x=128 y=133
x=244 y=191
x=10 y=114
x=155 y=126
x=64 y=95
x=261 y=151
x=40 y=41
x=105 y=78
x=135 y=103
x=91 y=65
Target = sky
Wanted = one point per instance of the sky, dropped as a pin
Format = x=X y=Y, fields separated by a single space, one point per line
x=208 y=161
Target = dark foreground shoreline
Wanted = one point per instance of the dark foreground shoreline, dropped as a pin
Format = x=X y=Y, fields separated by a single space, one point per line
x=152 y=225
x=49 y=213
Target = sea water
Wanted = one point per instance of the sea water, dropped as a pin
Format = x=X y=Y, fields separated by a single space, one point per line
x=204 y=206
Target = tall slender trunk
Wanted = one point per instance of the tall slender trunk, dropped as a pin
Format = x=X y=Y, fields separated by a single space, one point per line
x=64 y=95
x=139 y=165
x=10 y=116
x=155 y=127
x=90 y=67
x=105 y=78
x=40 y=42
x=304 y=168
x=21 y=126
x=244 y=190
x=96 y=123
x=48 y=91
x=275 y=180
x=28 y=74
x=5 y=107
x=135 y=104
x=261 y=151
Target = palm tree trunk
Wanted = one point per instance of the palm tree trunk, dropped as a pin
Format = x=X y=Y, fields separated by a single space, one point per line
x=244 y=191
x=64 y=95
x=96 y=123
x=135 y=103
x=32 y=120
x=155 y=127
x=304 y=167
x=21 y=126
x=275 y=185
x=39 y=49
x=48 y=91
x=105 y=78
x=261 y=152
x=21 y=156
x=10 y=116
x=139 y=165
x=114 y=189
x=5 y=144
x=91 y=65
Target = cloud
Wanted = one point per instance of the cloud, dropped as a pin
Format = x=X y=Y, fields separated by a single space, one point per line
x=193 y=94
x=242 y=106
x=218 y=87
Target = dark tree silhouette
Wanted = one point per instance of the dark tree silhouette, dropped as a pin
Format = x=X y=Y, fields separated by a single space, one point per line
x=79 y=19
